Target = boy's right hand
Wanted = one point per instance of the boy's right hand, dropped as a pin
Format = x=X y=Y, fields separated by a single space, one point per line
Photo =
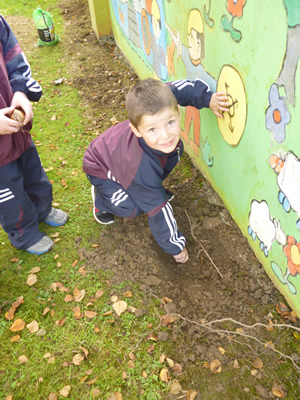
x=182 y=257
x=7 y=125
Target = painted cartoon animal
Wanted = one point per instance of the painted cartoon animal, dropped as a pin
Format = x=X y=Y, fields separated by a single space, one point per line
x=288 y=180
x=266 y=229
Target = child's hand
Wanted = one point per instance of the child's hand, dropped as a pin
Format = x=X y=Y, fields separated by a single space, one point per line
x=182 y=257
x=218 y=103
x=20 y=100
x=7 y=125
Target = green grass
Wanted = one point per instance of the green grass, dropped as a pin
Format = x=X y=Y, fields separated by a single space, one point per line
x=61 y=142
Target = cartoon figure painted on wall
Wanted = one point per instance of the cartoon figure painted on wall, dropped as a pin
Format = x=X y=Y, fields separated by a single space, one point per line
x=233 y=124
x=192 y=56
x=292 y=253
x=287 y=74
x=288 y=179
x=262 y=226
x=235 y=8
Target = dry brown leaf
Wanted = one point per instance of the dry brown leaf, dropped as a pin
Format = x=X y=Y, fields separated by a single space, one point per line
x=92 y=381
x=9 y=397
x=23 y=359
x=96 y=329
x=11 y=312
x=215 y=367
x=170 y=362
x=175 y=388
x=257 y=363
x=167 y=319
x=150 y=348
x=77 y=359
x=88 y=372
x=114 y=298
x=15 y=338
x=119 y=307
x=144 y=374
x=96 y=393
x=177 y=369
x=31 y=279
x=78 y=294
x=51 y=360
x=77 y=312
x=95 y=245
x=68 y=298
x=53 y=286
x=240 y=330
x=124 y=375
x=90 y=314
x=74 y=263
x=46 y=310
x=167 y=300
x=35 y=270
x=15 y=260
x=164 y=376
x=152 y=336
x=47 y=355
x=162 y=358
x=55 y=235
x=131 y=356
x=60 y=322
x=107 y=313
x=65 y=391
x=278 y=391
x=191 y=394
x=33 y=326
x=61 y=287
x=18 y=325
x=131 y=364
x=99 y=293
x=128 y=294
x=236 y=364
x=82 y=271
x=52 y=396
x=85 y=351
x=221 y=350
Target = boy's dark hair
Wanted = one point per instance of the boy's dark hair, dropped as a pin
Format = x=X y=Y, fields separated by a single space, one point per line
x=148 y=97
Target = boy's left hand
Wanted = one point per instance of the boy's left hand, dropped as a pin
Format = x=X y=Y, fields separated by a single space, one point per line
x=20 y=100
x=219 y=103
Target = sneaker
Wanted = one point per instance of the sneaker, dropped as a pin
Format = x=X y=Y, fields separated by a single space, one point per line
x=42 y=246
x=103 y=217
x=56 y=217
x=170 y=195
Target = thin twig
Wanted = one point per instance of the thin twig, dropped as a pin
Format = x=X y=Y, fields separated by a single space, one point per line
x=202 y=247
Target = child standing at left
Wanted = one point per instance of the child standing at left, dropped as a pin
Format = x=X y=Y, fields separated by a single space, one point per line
x=25 y=190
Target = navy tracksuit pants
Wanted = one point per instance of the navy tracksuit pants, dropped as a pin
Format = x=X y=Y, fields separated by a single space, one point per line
x=25 y=198
x=113 y=198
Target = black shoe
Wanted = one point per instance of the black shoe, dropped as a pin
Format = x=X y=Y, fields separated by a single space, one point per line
x=170 y=195
x=103 y=217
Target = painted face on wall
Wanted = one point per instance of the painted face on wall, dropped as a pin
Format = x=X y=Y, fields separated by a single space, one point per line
x=194 y=45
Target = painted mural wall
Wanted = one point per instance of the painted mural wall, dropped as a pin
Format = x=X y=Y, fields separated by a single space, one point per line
x=250 y=50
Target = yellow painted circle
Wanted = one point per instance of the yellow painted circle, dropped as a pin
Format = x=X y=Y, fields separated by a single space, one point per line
x=233 y=124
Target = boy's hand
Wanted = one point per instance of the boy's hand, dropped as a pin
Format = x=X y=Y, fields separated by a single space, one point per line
x=182 y=257
x=20 y=100
x=218 y=104
x=7 y=125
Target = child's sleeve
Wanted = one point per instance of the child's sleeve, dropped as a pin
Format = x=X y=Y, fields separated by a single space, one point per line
x=17 y=66
x=191 y=93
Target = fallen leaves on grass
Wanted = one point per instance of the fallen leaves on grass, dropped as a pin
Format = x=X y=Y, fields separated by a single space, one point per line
x=96 y=393
x=31 y=279
x=18 y=325
x=11 y=312
x=68 y=298
x=278 y=391
x=33 y=326
x=257 y=363
x=52 y=396
x=175 y=388
x=191 y=394
x=15 y=338
x=167 y=319
x=23 y=359
x=119 y=307
x=164 y=376
x=215 y=366
x=78 y=294
x=77 y=359
x=115 y=396
x=99 y=293
x=65 y=391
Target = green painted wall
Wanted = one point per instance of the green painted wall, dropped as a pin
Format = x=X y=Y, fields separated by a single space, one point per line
x=100 y=17
x=250 y=49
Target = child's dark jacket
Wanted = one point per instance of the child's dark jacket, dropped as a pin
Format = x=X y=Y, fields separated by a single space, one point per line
x=15 y=76
x=118 y=154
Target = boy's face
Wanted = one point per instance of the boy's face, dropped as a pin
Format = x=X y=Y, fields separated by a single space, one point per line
x=160 y=131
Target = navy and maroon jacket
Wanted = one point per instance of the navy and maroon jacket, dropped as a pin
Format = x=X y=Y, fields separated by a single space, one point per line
x=119 y=155
x=15 y=76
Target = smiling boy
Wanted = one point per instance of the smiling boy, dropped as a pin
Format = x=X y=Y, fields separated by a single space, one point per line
x=128 y=163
